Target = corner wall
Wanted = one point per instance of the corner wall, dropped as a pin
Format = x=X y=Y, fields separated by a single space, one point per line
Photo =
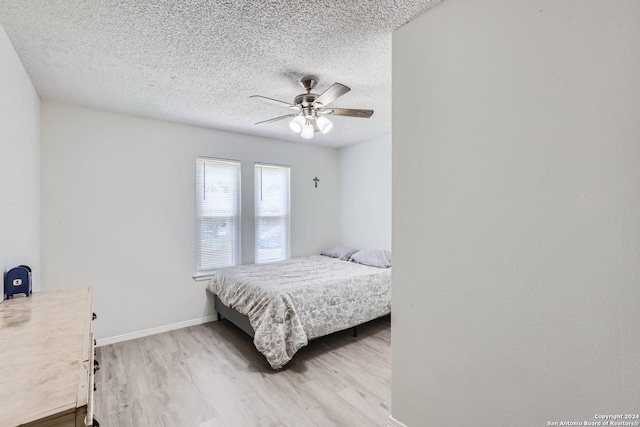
x=365 y=182
x=19 y=166
x=119 y=210
x=516 y=213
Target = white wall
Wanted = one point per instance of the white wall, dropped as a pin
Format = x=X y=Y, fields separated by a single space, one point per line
x=365 y=181
x=119 y=210
x=19 y=166
x=516 y=213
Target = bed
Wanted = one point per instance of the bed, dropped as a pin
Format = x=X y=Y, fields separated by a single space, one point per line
x=285 y=304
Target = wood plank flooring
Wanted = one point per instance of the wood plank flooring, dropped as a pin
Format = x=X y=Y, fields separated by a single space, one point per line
x=211 y=375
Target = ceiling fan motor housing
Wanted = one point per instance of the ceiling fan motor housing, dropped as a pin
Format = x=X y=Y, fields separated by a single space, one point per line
x=305 y=103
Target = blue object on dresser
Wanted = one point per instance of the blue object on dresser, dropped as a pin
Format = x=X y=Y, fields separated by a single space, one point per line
x=17 y=281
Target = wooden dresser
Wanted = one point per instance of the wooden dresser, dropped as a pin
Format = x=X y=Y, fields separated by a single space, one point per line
x=46 y=359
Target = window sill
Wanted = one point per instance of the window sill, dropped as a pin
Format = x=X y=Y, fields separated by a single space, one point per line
x=270 y=261
x=203 y=275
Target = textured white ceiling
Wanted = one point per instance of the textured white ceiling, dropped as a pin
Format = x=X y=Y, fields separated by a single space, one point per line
x=198 y=61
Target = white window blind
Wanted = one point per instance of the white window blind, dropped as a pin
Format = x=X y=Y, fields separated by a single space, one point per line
x=272 y=212
x=217 y=213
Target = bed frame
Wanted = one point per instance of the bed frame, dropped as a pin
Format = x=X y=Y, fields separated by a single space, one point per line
x=242 y=321
x=233 y=316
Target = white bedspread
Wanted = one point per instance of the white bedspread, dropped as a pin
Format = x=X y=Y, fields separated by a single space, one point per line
x=292 y=301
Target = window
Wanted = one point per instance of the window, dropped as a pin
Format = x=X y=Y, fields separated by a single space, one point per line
x=217 y=213
x=272 y=212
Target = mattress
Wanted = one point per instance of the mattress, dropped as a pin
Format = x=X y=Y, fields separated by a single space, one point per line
x=292 y=301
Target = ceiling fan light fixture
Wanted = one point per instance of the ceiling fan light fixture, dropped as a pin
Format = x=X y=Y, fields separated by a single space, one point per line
x=296 y=124
x=324 y=124
x=307 y=130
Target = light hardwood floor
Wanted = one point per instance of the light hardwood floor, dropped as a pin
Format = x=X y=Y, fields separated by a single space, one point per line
x=211 y=375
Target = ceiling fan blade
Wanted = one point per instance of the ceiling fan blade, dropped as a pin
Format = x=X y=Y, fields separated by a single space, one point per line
x=272 y=101
x=364 y=114
x=334 y=92
x=275 y=119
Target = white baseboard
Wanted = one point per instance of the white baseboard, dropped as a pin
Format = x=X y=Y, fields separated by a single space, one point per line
x=395 y=423
x=153 y=331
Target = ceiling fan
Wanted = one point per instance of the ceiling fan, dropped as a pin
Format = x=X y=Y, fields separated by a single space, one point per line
x=311 y=108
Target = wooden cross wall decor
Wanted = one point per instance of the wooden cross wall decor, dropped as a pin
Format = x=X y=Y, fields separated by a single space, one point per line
x=316 y=180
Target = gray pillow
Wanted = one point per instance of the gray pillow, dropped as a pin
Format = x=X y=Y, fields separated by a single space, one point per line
x=341 y=252
x=373 y=257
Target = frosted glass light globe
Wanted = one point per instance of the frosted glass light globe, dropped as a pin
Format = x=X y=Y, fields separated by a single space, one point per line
x=296 y=124
x=324 y=124
x=307 y=130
